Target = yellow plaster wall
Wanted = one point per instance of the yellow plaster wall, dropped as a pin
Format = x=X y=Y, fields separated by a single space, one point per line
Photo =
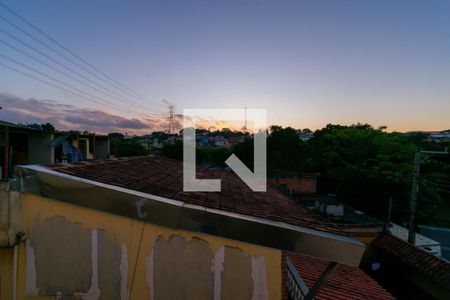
x=139 y=238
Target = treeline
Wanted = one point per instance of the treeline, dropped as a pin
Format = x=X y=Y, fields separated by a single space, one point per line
x=363 y=166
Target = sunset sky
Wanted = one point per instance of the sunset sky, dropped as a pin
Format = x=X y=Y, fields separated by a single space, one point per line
x=308 y=63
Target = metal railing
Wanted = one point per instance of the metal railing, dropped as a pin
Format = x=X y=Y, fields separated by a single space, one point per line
x=296 y=287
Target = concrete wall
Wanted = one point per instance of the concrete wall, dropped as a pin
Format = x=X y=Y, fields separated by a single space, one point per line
x=39 y=148
x=102 y=148
x=71 y=251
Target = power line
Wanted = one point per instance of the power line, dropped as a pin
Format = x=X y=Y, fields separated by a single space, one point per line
x=48 y=57
x=55 y=69
x=81 y=92
x=117 y=85
x=43 y=81
x=56 y=61
x=63 y=47
x=439 y=186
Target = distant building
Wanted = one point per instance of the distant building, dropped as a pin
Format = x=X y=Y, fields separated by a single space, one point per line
x=222 y=144
x=347 y=282
x=442 y=136
x=294 y=182
x=155 y=144
x=73 y=146
x=305 y=134
x=406 y=271
x=440 y=234
x=203 y=141
x=23 y=145
x=422 y=242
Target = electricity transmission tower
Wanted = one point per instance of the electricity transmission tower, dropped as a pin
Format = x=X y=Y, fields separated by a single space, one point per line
x=171 y=118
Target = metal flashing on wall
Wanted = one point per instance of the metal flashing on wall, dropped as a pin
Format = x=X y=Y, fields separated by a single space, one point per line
x=180 y=215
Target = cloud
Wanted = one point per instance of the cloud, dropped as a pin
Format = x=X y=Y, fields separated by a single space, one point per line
x=69 y=117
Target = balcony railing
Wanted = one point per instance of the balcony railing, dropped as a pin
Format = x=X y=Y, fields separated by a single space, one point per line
x=296 y=287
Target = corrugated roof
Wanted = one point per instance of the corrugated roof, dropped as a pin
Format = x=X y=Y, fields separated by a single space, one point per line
x=346 y=282
x=164 y=177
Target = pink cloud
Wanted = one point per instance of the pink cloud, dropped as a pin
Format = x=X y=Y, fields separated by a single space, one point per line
x=69 y=117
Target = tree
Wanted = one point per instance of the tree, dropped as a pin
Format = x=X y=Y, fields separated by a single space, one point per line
x=44 y=126
x=124 y=147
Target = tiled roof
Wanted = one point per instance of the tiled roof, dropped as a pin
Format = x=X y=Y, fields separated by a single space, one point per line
x=426 y=263
x=345 y=283
x=164 y=177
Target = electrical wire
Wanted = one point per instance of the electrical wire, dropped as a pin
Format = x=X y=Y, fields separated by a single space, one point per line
x=79 y=91
x=53 y=68
x=51 y=59
x=122 y=87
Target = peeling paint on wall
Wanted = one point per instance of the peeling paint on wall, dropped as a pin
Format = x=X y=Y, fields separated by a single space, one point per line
x=109 y=264
x=62 y=256
x=181 y=268
x=190 y=266
x=259 y=276
x=94 y=291
x=124 y=294
x=237 y=281
x=218 y=260
x=139 y=205
x=69 y=244
x=149 y=273
x=30 y=271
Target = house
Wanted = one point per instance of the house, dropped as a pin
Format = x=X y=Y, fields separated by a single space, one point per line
x=440 y=234
x=74 y=146
x=408 y=272
x=421 y=241
x=124 y=228
x=294 y=182
x=305 y=134
x=353 y=222
x=23 y=145
x=442 y=136
x=203 y=141
x=222 y=144
x=346 y=282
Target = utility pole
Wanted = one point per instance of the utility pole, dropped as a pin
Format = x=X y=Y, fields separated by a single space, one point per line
x=413 y=202
x=388 y=227
x=415 y=192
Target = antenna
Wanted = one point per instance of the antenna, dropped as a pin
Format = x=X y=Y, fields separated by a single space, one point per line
x=245 y=124
x=171 y=118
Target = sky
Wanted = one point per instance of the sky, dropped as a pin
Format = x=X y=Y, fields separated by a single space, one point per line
x=309 y=63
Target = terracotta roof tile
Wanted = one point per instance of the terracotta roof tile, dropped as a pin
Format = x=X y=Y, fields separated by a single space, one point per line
x=164 y=177
x=346 y=282
x=426 y=263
